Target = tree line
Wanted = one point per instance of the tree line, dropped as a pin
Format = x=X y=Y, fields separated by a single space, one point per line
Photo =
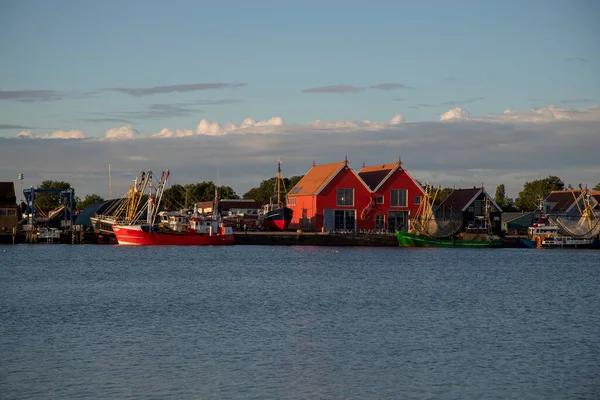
x=175 y=197
x=184 y=196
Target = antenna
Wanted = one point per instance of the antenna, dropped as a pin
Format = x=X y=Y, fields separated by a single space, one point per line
x=109 y=183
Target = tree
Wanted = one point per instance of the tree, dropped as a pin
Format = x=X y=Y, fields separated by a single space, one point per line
x=50 y=201
x=89 y=200
x=442 y=194
x=505 y=203
x=534 y=191
x=597 y=187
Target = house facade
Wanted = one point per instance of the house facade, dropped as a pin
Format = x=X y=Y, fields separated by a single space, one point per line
x=335 y=197
x=470 y=206
x=9 y=211
x=396 y=196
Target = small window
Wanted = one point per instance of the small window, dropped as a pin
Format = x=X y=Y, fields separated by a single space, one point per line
x=296 y=190
x=471 y=209
x=345 y=197
x=291 y=201
x=417 y=200
x=379 y=200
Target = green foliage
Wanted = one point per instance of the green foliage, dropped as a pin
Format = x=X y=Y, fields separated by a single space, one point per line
x=178 y=196
x=50 y=201
x=505 y=203
x=597 y=187
x=536 y=190
x=267 y=190
x=89 y=200
x=442 y=194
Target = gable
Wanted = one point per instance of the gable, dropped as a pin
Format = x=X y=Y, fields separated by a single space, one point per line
x=374 y=178
x=562 y=200
x=7 y=193
x=461 y=199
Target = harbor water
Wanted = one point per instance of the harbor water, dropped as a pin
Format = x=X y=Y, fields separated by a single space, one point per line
x=266 y=322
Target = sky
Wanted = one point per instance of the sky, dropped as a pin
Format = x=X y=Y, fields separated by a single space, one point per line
x=466 y=93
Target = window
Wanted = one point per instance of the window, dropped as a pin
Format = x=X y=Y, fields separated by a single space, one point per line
x=345 y=197
x=291 y=201
x=296 y=190
x=344 y=219
x=380 y=222
x=379 y=200
x=417 y=200
x=398 y=197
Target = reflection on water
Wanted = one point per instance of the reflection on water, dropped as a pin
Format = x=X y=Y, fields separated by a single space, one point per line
x=298 y=322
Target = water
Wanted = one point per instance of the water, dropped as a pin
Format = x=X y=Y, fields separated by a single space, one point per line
x=298 y=322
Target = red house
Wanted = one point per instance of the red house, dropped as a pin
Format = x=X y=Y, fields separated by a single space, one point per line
x=334 y=197
x=396 y=196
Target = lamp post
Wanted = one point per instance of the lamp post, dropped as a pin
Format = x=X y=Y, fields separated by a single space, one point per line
x=21 y=187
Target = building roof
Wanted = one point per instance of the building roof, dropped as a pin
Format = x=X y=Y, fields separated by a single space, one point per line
x=375 y=175
x=461 y=199
x=316 y=179
x=7 y=194
x=562 y=199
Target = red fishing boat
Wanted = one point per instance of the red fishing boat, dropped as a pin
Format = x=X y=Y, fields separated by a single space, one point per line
x=276 y=217
x=174 y=228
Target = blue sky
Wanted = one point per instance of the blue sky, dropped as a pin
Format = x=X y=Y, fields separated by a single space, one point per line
x=135 y=69
x=483 y=56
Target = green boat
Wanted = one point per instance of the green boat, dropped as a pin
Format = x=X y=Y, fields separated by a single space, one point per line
x=429 y=231
x=406 y=239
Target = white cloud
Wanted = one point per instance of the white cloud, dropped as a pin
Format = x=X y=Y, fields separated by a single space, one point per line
x=73 y=134
x=170 y=133
x=26 y=135
x=539 y=115
x=124 y=132
x=397 y=119
x=456 y=114
x=209 y=128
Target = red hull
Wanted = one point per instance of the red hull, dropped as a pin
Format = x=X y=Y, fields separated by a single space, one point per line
x=278 y=219
x=275 y=224
x=134 y=236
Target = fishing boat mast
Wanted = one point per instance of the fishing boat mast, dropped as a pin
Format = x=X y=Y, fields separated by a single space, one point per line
x=278 y=182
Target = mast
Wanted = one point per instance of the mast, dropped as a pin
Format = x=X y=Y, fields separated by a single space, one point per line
x=109 y=183
x=278 y=182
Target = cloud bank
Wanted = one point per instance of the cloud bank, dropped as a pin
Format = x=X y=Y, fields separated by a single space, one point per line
x=461 y=150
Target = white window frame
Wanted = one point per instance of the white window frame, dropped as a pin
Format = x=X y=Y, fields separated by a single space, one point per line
x=399 y=191
x=345 y=197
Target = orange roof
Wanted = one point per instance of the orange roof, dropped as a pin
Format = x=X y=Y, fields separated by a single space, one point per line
x=382 y=167
x=314 y=180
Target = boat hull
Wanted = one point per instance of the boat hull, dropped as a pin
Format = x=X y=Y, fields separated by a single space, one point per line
x=136 y=236
x=406 y=239
x=278 y=219
x=558 y=244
